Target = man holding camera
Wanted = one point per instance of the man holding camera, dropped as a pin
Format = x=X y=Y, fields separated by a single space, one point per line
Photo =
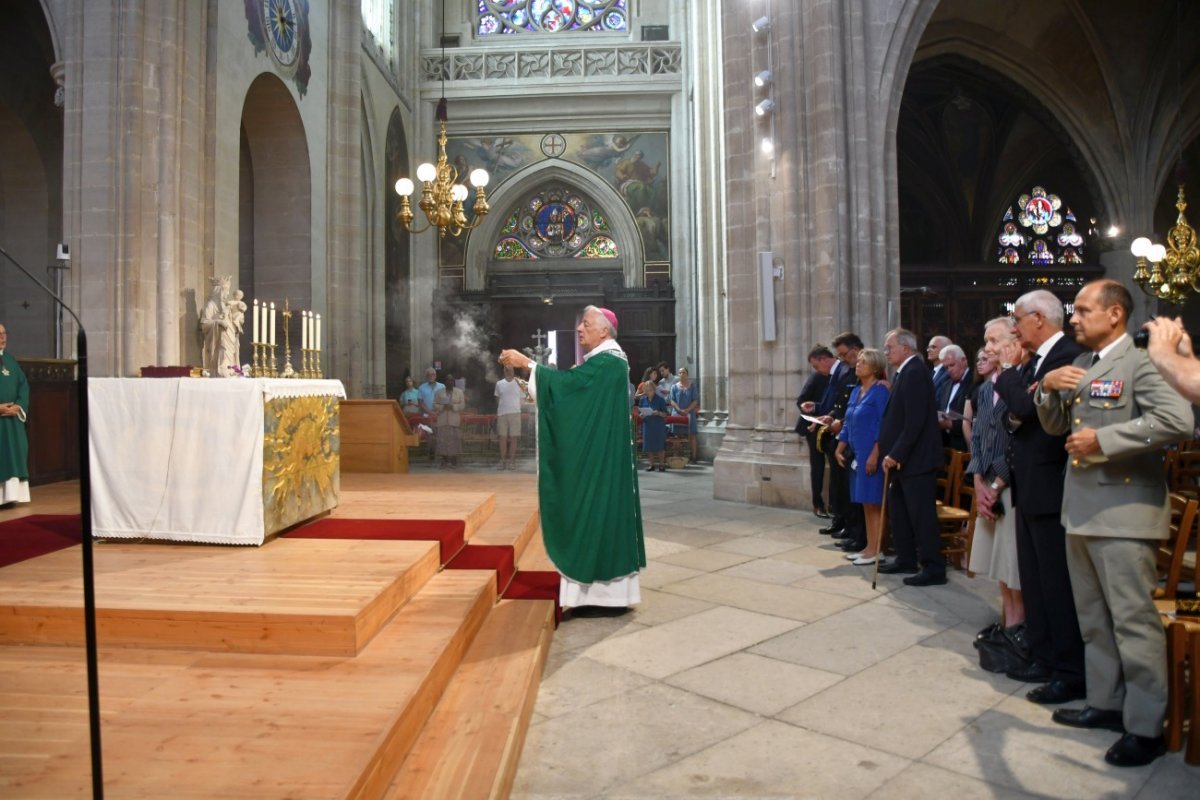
x=1118 y=413
x=1170 y=349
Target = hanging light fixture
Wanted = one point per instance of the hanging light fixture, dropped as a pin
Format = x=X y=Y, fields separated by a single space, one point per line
x=1175 y=270
x=1175 y=273
x=442 y=196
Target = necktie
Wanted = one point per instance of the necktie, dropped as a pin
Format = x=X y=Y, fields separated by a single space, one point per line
x=1033 y=362
x=1095 y=359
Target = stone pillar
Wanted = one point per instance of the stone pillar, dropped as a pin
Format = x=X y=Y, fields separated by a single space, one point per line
x=710 y=309
x=350 y=329
x=131 y=196
x=820 y=207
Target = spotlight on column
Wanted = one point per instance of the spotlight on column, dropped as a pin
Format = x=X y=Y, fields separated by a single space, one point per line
x=763 y=78
x=761 y=24
x=1112 y=231
x=765 y=107
x=768 y=147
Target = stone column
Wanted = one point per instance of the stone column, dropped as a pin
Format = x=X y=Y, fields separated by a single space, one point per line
x=349 y=330
x=130 y=196
x=710 y=310
x=820 y=207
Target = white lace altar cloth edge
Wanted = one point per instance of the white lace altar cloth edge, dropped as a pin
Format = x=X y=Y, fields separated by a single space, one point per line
x=182 y=458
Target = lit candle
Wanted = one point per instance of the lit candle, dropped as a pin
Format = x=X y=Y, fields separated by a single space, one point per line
x=317 y=342
x=271 y=340
x=303 y=330
x=254 y=333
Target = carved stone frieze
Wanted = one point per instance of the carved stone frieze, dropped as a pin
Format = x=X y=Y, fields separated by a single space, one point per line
x=624 y=61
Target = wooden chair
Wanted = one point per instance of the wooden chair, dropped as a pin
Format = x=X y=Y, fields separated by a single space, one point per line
x=1186 y=473
x=1183 y=691
x=1172 y=552
x=954 y=523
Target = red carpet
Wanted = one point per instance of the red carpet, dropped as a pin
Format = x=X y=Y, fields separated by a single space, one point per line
x=448 y=532
x=488 y=556
x=455 y=554
x=36 y=535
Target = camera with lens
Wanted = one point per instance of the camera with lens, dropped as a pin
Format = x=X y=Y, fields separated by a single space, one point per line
x=1141 y=338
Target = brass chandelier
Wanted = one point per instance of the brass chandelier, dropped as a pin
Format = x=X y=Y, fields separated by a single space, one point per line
x=442 y=197
x=1175 y=270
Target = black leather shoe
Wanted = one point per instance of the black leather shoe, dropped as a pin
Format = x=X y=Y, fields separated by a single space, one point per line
x=1088 y=717
x=593 y=612
x=926 y=577
x=1034 y=673
x=844 y=533
x=897 y=568
x=820 y=512
x=1057 y=691
x=1132 y=750
x=852 y=545
x=832 y=528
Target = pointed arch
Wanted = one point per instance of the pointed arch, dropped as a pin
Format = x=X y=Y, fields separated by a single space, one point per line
x=624 y=230
x=275 y=196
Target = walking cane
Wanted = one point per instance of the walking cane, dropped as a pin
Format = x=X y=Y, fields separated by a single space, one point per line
x=887 y=480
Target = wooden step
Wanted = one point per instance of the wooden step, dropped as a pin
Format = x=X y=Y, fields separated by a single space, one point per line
x=183 y=724
x=472 y=743
x=297 y=596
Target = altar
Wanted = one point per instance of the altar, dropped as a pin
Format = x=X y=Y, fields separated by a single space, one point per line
x=226 y=461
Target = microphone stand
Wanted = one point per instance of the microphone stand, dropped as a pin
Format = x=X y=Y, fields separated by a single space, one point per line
x=85 y=518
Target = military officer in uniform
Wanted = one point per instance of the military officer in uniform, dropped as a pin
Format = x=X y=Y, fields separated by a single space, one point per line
x=1119 y=414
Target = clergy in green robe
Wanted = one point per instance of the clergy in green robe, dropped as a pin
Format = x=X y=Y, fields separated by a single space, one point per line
x=14 y=446
x=587 y=480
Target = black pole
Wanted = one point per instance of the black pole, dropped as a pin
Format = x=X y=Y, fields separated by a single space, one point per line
x=85 y=520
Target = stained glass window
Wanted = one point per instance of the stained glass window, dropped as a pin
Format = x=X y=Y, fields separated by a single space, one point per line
x=555 y=223
x=377 y=19
x=550 y=16
x=1039 y=229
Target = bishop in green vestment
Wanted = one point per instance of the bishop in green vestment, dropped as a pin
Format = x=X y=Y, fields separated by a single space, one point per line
x=14 y=446
x=587 y=480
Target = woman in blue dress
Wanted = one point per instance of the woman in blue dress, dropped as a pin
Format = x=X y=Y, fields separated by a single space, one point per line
x=685 y=400
x=858 y=448
x=653 y=409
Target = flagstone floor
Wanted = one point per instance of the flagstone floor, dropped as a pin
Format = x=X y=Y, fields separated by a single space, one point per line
x=762 y=664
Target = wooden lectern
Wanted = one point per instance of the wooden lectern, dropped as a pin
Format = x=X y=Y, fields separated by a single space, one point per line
x=375 y=436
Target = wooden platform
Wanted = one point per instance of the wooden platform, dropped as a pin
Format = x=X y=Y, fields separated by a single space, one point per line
x=306 y=668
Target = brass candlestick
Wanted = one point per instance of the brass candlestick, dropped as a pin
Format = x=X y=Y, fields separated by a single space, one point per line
x=288 y=372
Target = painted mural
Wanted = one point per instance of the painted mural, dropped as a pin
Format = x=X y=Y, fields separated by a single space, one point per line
x=634 y=163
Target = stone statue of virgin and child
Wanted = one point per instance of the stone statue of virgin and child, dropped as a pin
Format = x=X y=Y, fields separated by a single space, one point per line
x=221 y=323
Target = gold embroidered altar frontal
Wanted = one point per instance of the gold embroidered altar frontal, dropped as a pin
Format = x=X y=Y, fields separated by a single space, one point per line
x=301 y=474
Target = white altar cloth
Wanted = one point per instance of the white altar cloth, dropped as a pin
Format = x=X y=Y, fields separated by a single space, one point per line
x=182 y=458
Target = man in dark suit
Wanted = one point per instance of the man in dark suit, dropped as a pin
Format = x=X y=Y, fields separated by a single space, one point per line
x=832 y=409
x=933 y=352
x=952 y=396
x=912 y=449
x=822 y=361
x=1039 y=460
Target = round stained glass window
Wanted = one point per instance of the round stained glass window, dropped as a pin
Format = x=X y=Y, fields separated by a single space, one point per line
x=556 y=222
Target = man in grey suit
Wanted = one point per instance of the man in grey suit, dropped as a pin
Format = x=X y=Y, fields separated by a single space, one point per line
x=1120 y=413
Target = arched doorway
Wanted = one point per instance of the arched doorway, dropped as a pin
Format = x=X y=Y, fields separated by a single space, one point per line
x=31 y=140
x=275 y=198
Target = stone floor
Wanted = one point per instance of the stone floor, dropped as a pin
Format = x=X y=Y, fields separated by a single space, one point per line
x=762 y=664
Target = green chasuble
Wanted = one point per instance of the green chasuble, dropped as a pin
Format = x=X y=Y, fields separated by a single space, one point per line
x=14 y=446
x=587 y=479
